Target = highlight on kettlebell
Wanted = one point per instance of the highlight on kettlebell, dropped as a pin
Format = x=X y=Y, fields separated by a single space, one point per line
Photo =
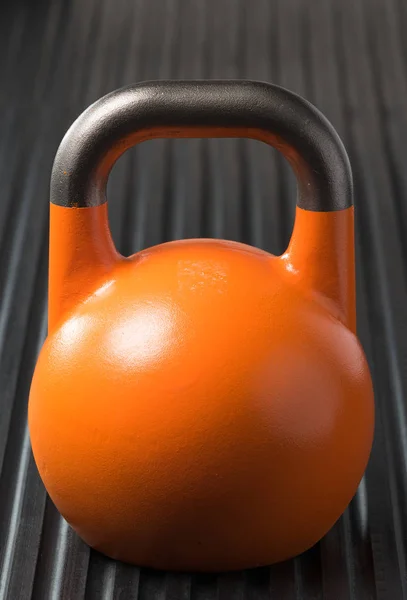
x=191 y=401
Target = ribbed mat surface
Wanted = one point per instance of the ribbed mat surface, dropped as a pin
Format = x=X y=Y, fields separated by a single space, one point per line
x=349 y=57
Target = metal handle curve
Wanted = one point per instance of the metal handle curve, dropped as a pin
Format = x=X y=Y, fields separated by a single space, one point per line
x=189 y=109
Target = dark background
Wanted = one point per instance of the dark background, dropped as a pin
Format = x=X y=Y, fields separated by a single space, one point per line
x=349 y=57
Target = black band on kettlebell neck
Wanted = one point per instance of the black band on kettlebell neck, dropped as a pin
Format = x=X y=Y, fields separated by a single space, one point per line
x=193 y=109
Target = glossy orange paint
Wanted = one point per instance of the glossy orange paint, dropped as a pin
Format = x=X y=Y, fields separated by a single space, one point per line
x=201 y=405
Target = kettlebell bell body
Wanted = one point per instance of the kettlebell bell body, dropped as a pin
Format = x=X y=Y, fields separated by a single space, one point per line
x=201 y=405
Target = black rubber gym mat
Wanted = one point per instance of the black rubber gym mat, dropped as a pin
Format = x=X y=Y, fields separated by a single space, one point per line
x=349 y=57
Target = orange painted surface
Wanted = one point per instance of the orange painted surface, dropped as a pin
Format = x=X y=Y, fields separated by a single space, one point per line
x=202 y=405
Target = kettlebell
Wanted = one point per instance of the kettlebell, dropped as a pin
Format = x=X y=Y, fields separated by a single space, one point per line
x=202 y=405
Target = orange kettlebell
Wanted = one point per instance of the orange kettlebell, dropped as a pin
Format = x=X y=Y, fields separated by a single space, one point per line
x=201 y=405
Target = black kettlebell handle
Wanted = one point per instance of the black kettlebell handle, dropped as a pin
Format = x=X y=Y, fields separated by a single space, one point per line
x=190 y=109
